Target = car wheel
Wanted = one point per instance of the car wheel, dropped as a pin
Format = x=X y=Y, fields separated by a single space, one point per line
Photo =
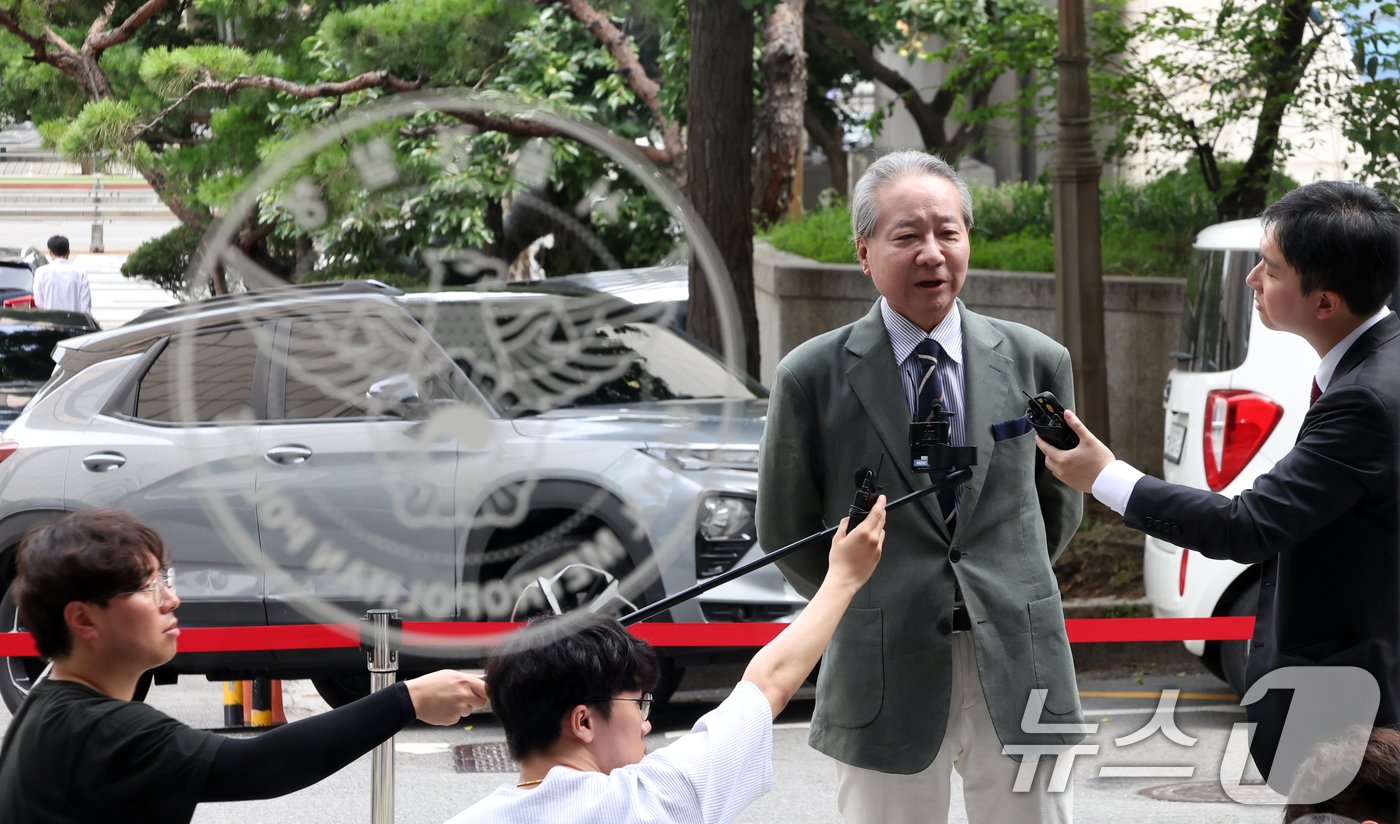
x=1234 y=654
x=17 y=675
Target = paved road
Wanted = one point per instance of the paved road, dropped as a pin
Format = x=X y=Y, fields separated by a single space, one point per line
x=429 y=788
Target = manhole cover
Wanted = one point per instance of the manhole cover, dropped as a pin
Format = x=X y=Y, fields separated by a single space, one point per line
x=492 y=757
x=1249 y=792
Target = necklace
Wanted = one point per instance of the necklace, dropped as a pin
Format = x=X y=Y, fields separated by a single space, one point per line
x=531 y=783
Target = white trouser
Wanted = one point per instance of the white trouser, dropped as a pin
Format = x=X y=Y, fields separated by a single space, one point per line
x=970 y=746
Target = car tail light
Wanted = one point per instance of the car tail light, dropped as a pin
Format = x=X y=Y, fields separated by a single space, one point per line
x=7 y=448
x=1181 y=579
x=1237 y=424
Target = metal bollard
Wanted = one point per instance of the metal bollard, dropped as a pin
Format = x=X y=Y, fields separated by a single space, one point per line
x=96 y=245
x=233 y=704
x=380 y=637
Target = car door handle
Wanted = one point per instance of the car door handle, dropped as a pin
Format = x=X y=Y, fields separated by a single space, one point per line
x=288 y=454
x=104 y=461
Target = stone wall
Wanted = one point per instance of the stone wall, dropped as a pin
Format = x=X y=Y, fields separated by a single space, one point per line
x=798 y=298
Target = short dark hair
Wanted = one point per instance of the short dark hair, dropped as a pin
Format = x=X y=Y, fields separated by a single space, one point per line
x=90 y=555
x=1373 y=794
x=58 y=246
x=558 y=662
x=1341 y=236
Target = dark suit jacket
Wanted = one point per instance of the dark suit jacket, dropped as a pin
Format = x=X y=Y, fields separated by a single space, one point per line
x=884 y=688
x=1323 y=523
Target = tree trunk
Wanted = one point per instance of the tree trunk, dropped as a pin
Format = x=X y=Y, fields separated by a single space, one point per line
x=778 y=150
x=825 y=131
x=1288 y=60
x=718 y=163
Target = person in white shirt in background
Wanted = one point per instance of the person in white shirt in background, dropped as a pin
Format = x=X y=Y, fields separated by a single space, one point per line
x=572 y=693
x=62 y=284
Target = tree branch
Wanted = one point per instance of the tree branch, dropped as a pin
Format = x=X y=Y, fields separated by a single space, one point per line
x=97 y=42
x=100 y=21
x=523 y=127
x=368 y=80
x=925 y=114
x=619 y=45
x=9 y=20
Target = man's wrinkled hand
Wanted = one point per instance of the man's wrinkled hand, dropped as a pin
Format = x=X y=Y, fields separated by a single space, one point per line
x=1080 y=466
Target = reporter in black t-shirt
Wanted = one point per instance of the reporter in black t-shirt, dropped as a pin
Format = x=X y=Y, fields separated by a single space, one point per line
x=92 y=590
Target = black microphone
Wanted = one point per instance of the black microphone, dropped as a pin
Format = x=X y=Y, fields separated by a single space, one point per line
x=866 y=493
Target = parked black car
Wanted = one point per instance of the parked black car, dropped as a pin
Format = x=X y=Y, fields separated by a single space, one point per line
x=27 y=341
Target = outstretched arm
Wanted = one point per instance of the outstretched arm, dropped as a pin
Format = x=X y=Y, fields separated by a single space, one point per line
x=298 y=755
x=779 y=668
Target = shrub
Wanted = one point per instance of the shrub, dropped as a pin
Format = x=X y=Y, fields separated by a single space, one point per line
x=1027 y=251
x=823 y=234
x=1009 y=209
x=164 y=260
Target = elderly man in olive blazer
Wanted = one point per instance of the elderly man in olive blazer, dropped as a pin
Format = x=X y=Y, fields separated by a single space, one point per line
x=954 y=655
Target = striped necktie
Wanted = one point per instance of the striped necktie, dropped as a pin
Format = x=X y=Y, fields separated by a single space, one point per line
x=928 y=392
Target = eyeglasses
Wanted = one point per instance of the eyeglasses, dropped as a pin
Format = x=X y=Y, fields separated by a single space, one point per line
x=161 y=583
x=643 y=703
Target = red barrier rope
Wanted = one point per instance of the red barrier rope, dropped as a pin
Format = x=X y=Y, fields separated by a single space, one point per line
x=423 y=634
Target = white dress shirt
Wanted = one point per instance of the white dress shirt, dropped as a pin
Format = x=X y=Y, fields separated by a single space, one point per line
x=62 y=285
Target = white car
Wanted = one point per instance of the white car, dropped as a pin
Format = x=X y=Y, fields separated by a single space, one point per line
x=1234 y=404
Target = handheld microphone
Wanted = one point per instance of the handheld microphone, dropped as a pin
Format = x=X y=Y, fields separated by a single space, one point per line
x=866 y=493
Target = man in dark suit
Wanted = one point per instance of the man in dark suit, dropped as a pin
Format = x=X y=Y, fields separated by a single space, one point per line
x=954 y=654
x=1323 y=522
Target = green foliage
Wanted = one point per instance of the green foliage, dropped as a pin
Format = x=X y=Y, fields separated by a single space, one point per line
x=1012 y=207
x=164 y=260
x=448 y=42
x=1026 y=251
x=102 y=129
x=822 y=234
x=171 y=72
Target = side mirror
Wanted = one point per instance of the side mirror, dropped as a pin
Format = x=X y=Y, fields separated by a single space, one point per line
x=397 y=395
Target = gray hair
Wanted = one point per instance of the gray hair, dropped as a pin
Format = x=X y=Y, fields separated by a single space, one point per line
x=891 y=167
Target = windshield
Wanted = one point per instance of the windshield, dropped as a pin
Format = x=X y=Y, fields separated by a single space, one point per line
x=1215 y=325
x=16 y=276
x=27 y=355
x=533 y=355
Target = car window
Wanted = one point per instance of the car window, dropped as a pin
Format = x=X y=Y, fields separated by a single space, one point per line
x=219 y=364
x=26 y=354
x=333 y=361
x=16 y=276
x=531 y=357
x=1215 y=325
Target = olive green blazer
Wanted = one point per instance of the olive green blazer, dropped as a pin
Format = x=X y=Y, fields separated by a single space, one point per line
x=884 y=687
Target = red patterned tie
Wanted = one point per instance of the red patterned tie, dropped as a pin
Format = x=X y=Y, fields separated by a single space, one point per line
x=1316 y=391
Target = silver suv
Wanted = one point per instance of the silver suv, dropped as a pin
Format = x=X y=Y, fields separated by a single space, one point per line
x=310 y=452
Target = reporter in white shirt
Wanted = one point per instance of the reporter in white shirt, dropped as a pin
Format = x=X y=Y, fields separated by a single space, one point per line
x=62 y=284
x=572 y=693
